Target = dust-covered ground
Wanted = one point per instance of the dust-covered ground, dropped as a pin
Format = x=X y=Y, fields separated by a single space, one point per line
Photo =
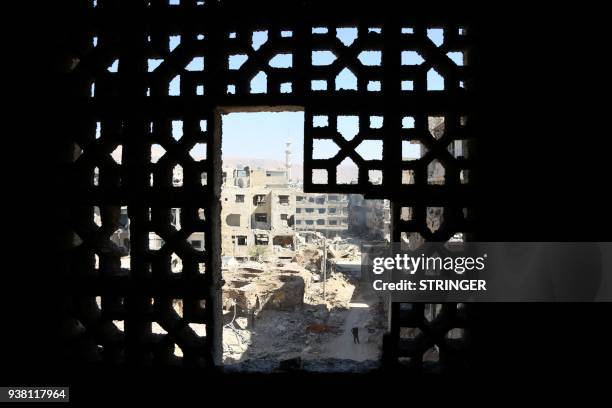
x=319 y=330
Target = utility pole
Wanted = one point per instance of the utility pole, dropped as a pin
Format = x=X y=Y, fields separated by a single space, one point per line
x=324 y=264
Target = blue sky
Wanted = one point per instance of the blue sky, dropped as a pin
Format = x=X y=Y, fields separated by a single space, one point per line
x=263 y=134
x=345 y=80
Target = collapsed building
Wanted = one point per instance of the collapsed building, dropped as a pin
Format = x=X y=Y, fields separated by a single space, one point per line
x=370 y=219
x=279 y=312
x=253 y=287
x=290 y=260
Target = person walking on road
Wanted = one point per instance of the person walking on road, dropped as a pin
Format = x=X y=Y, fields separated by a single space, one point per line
x=355 y=331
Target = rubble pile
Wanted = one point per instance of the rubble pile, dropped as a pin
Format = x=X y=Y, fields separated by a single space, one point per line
x=340 y=248
x=310 y=257
x=253 y=287
x=338 y=292
x=281 y=310
x=278 y=333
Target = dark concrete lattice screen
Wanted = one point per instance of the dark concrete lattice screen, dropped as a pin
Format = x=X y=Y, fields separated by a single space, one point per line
x=150 y=74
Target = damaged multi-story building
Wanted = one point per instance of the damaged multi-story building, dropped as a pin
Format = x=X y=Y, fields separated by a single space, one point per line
x=324 y=213
x=258 y=211
x=370 y=219
x=262 y=209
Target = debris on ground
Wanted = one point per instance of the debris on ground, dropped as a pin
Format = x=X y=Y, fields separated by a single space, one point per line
x=281 y=310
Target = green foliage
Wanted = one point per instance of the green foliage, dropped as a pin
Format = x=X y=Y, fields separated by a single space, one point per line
x=258 y=251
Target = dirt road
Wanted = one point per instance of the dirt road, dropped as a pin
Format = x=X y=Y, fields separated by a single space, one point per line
x=342 y=346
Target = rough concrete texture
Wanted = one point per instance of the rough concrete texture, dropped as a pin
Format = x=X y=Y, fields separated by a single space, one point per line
x=259 y=286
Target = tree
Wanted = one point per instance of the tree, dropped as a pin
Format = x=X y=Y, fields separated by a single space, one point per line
x=258 y=251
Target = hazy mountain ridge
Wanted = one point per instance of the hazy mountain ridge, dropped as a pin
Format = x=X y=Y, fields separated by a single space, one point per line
x=345 y=172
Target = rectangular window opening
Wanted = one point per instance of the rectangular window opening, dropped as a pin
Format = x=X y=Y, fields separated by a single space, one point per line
x=282 y=248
